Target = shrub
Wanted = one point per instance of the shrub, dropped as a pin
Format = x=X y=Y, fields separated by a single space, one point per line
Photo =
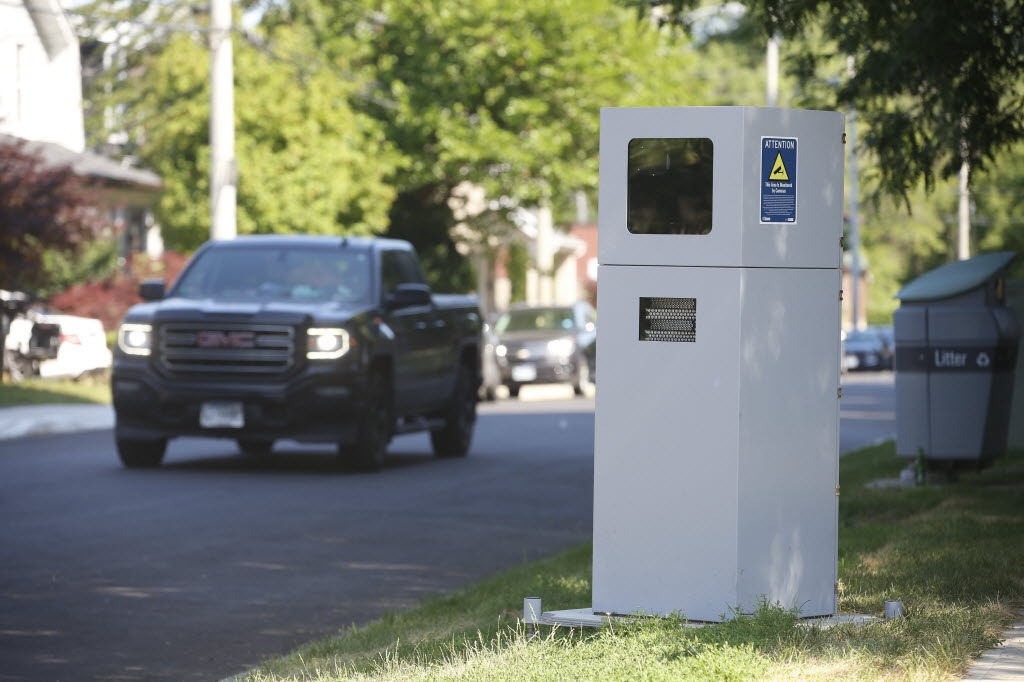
x=108 y=299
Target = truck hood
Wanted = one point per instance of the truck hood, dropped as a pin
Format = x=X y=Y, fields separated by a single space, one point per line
x=279 y=312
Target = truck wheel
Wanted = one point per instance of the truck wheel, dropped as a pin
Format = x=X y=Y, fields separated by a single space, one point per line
x=255 y=447
x=460 y=417
x=371 y=445
x=141 y=453
x=582 y=383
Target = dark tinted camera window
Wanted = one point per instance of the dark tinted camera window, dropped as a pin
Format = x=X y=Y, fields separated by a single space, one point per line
x=670 y=185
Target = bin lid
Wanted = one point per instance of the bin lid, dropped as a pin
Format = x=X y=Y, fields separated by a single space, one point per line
x=956 y=278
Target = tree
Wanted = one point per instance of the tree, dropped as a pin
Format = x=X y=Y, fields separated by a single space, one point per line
x=504 y=95
x=935 y=83
x=43 y=208
x=999 y=205
x=306 y=160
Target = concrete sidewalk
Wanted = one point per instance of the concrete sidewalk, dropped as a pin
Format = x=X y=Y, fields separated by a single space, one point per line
x=33 y=420
x=1002 y=664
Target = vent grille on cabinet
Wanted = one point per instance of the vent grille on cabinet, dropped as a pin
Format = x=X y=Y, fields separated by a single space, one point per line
x=668 y=319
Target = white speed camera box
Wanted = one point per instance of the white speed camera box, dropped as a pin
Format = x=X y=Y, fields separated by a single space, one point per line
x=717 y=422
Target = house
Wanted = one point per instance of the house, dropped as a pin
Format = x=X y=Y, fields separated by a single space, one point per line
x=41 y=102
x=553 y=271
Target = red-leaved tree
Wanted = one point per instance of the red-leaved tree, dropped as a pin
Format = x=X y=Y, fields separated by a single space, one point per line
x=42 y=208
x=108 y=299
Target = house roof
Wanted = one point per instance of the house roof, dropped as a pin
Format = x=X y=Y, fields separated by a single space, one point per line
x=90 y=165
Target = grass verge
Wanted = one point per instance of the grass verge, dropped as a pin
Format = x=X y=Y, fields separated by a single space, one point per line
x=44 y=391
x=951 y=553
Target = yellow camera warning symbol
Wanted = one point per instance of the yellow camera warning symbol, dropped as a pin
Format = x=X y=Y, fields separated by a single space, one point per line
x=779 y=171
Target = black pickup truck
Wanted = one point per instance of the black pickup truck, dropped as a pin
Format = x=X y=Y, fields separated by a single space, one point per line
x=316 y=339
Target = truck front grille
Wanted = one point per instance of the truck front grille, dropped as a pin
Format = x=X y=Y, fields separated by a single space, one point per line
x=212 y=348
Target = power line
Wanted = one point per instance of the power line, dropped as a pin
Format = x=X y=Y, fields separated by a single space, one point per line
x=113 y=21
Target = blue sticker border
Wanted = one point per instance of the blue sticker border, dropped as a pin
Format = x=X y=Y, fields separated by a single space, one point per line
x=788 y=215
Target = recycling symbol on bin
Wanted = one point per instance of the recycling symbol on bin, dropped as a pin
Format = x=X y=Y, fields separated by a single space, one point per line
x=983 y=360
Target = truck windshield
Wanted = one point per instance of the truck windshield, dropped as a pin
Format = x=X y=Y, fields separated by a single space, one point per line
x=281 y=273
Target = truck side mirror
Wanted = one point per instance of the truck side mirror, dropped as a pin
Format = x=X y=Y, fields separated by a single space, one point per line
x=408 y=296
x=152 y=290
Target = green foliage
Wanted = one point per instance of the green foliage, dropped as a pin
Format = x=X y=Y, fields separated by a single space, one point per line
x=423 y=219
x=898 y=245
x=507 y=95
x=517 y=262
x=343 y=108
x=307 y=161
x=340 y=107
x=96 y=260
x=999 y=204
x=936 y=82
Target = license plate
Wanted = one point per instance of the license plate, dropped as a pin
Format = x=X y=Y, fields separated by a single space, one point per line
x=524 y=373
x=226 y=415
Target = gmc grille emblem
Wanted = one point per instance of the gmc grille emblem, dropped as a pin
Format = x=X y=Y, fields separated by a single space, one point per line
x=212 y=339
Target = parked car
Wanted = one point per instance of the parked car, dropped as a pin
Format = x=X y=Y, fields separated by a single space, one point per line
x=53 y=346
x=547 y=344
x=888 y=334
x=866 y=349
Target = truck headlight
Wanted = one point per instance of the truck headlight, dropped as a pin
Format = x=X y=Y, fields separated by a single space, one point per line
x=326 y=343
x=135 y=339
x=562 y=348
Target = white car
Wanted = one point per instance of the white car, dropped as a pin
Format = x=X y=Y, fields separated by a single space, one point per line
x=82 y=348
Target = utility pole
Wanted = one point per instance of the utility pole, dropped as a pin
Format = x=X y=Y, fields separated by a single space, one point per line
x=545 y=250
x=772 y=70
x=963 y=251
x=855 y=269
x=223 y=168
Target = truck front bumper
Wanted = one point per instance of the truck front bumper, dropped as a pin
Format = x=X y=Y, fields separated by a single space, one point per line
x=315 y=406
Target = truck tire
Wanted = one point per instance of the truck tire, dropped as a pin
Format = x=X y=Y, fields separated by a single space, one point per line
x=371 y=445
x=454 y=438
x=141 y=453
x=255 y=447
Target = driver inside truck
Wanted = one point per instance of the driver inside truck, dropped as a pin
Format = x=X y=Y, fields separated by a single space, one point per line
x=323 y=278
x=313 y=279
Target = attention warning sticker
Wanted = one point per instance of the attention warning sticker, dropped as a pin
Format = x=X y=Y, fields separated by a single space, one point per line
x=778 y=179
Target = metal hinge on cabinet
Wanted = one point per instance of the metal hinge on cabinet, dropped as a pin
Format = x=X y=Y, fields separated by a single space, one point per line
x=837 y=491
x=839 y=392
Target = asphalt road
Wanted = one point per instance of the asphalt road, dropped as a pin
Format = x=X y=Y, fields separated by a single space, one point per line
x=200 y=569
x=867 y=410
